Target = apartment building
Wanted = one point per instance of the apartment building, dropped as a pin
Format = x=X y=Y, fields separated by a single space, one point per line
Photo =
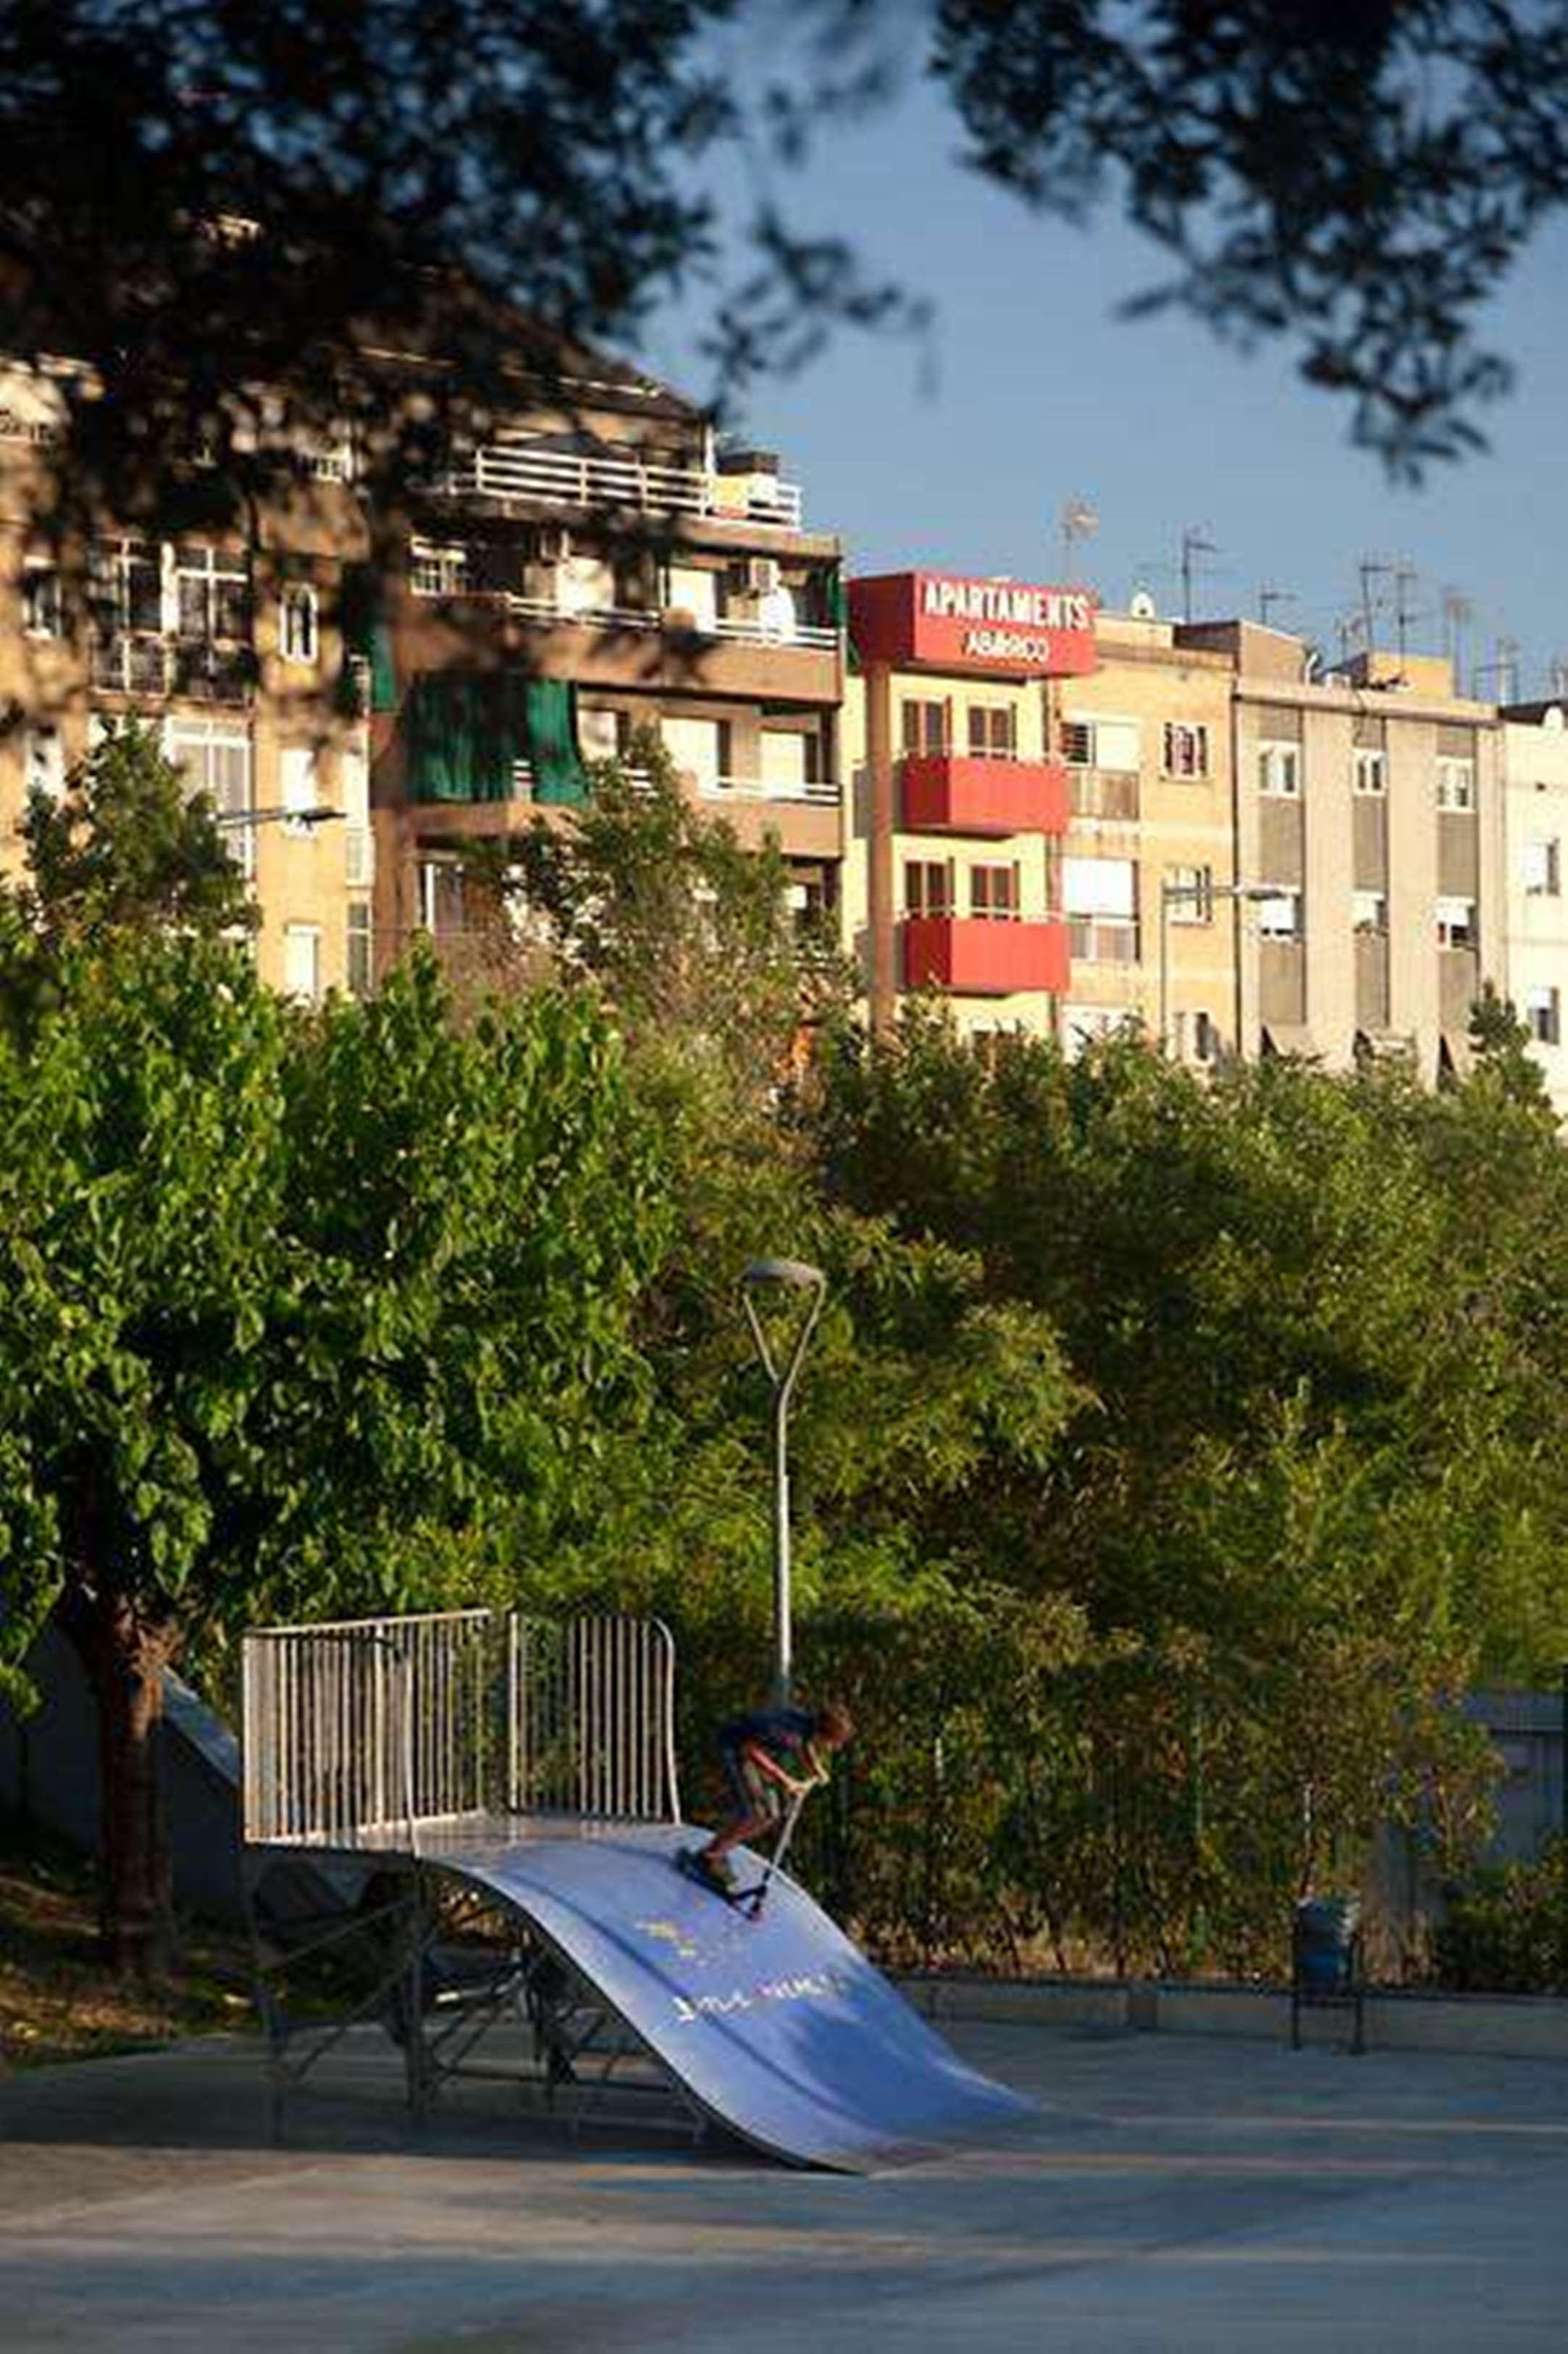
x=1369 y=816
x=367 y=691
x=953 y=874
x=1535 y=803
x=228 y=643
x=595 y=569
x=1148 y=865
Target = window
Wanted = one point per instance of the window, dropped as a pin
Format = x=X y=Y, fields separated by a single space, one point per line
x=1280 y=918
x=688 y=588
x=1101 y=743
x=1205 y=1036
x=1542 y=1015
x=1455 y=923
x=698 y=749
x=217 y=762
x=598 y=732
x=924 y=726
x=297 y=774
x=302 y=961
x=927 y=886
x=1541 y=869
x=359 y=843
x=1186 y=749
x=993 y=892
x=993 y=730
x=1368 y=770
x=1368 y=911
x=357 y=947
x=297 y=632
x=1456 y=784
x=440 y=896
x=1280 y=770
x=40 y=598
x=1099 y=886
x=783 y=758
x=1189 y=896
x=43 y=761
x=437 y=571
x=211 y=597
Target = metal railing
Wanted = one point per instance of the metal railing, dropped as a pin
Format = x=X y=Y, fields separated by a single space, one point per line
x=371 y=1728
x=1099 y=939
x=520 y=469
x=820 y=791
x=549 y=611
x=1104 y=793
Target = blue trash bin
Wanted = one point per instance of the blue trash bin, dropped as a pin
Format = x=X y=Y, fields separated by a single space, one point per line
x=1326 y=1942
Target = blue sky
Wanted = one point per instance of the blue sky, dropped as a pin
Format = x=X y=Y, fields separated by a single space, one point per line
x=1039 y=394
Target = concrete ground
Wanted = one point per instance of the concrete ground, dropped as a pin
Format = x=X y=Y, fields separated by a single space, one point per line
x=1176 y=2192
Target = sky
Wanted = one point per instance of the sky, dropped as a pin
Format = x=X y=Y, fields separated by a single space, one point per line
x=1032 y=393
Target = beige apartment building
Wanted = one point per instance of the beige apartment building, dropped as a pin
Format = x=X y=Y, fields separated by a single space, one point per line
x=229 y=645
x=364 y=694
x=1369 y=816
x=1149 y=858
x=1535 y=801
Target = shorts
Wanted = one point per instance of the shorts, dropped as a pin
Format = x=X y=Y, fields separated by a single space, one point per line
x=750 y=1787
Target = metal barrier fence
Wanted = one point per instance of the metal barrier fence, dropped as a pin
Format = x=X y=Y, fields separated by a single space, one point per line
x=373 y=1726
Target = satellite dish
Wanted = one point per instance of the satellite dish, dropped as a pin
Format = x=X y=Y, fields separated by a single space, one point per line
x=1553 y=718
x=1143 y=606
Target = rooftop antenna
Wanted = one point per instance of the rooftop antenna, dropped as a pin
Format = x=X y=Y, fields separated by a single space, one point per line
x=1557 y=678
x=1269 y=596
x=1192 y=544
x=1349 y=628
x=1371 y=569
x=1457 y=613
x=1076 y=522
x=1503 y=668
x=1404 y=610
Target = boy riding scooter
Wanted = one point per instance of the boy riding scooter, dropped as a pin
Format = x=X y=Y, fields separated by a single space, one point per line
x=770 y=1757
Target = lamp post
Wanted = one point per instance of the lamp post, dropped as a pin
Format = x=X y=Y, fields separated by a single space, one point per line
x=790 y=1275
x=1192 y=894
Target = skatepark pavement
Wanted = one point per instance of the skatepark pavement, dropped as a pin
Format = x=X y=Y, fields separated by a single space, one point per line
x=1172 y=2193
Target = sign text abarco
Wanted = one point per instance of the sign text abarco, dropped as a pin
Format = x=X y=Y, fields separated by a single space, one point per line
x=943 y=620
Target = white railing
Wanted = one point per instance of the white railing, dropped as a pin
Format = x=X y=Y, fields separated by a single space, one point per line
x=520 y=469
x=821 y=792
x=1104 y=793
x=548 y=611
x=374 y=1728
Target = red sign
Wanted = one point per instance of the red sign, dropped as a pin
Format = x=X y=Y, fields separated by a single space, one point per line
x=943 y=620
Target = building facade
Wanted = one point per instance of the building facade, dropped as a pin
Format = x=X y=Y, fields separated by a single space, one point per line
x=959 y=803
x=1535 y=797
x=366 y=691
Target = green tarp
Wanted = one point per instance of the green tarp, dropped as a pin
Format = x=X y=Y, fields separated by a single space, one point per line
x=366 y=634
x=465 y=733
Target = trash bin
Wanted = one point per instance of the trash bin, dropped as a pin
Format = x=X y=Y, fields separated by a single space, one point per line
x=1326 y=1943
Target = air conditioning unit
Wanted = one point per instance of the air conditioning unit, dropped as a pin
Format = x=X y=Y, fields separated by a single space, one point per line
x=553 y=545
x=762 y=576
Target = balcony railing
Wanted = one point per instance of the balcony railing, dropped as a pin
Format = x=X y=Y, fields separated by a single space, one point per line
x=1102 y=940
x=548 y=612
x=1104 y=793
x=520 y=469
x=982 y=792
x=820 y=791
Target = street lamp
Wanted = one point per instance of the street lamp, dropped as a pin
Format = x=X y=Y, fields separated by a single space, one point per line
x=788 y=1275
x=1192 y=894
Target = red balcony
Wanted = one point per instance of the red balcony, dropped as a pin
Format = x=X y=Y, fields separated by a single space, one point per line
x=967 y=792
x=982 y=956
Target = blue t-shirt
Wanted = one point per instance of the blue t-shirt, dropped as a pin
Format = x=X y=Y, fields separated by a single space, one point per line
x=783 y=1732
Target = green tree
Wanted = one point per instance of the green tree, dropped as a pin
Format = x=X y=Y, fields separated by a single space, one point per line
x=291 y=1307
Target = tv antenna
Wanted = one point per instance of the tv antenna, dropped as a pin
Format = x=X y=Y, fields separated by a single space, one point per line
x=1192 y=544
x=1268 y=596
x=1076 y=522
x=1371 y=569
x=1459 y=612
x=1404 y=608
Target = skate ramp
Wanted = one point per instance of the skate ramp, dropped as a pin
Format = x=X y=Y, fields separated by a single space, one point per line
x=778 y=2027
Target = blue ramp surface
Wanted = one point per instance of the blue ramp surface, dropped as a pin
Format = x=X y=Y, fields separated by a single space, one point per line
x=778 y=2027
